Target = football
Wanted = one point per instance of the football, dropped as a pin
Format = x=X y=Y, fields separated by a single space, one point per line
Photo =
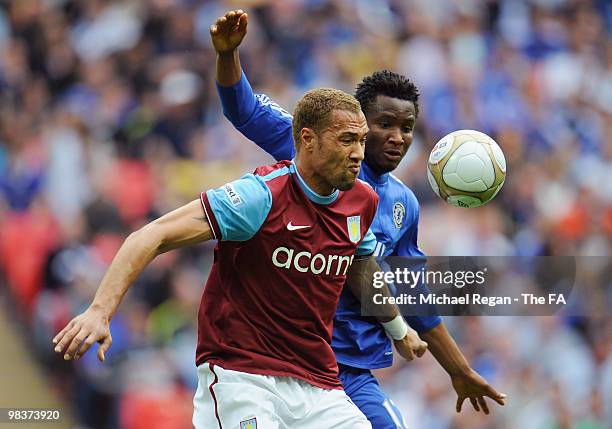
x=466 y=168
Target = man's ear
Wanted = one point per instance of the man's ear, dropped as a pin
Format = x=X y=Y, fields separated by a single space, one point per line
x=309 y=138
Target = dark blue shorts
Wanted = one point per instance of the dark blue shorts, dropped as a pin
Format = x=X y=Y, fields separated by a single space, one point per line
x=363 y=389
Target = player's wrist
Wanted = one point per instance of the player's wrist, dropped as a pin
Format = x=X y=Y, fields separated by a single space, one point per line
x=462 y=371
x=101 y=310
x=227 y=54
x=396 y=328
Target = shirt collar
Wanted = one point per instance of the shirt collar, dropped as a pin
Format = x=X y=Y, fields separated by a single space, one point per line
x=312 y=195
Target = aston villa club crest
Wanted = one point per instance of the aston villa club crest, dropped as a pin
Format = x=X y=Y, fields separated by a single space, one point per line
x=399 y=211
x=354 y=228
x=249 y=424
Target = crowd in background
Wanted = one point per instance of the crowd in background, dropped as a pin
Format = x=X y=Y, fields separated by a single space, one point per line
x=109 y=118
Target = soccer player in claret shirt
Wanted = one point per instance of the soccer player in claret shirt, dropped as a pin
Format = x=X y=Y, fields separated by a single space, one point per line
x=290 y=236
x=390 y=103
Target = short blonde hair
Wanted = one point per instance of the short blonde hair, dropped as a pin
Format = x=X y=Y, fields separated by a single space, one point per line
x=314 y=110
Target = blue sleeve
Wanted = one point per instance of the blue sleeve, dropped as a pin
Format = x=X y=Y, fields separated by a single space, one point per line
x=408 y=247
x=258 y=118
x=237 y=209
x=367 y=245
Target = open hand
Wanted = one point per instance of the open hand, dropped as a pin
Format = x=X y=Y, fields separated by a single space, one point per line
x=473 y=386
x=81 y=333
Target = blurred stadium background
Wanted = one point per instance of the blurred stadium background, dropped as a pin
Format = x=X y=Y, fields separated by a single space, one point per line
x=109 y=118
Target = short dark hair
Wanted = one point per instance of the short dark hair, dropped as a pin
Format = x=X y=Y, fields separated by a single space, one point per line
x=314 y=110
x=386 y=82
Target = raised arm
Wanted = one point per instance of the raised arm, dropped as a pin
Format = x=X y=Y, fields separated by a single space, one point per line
x=227 y=34
x=361 y=283
x=181 y=227
x=256 y=116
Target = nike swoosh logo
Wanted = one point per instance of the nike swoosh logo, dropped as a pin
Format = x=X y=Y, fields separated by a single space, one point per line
x=291 y=227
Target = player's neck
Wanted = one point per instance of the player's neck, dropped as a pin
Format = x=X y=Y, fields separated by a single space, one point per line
x=373 y=173
x=314 y=181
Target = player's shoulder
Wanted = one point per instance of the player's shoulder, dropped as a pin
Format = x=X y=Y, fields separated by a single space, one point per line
x=266 y=102
x=270 y=172
x=275 y=177
x=401 y=190
x=360 y=197
x=363 y=195
x=363 y=188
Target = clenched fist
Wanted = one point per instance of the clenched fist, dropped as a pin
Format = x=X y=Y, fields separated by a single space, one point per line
x=411 y=345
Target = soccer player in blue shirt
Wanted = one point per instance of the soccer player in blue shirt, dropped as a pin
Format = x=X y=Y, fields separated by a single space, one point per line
x=390 y=103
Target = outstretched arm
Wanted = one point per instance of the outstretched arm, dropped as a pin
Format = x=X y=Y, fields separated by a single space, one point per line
x=361 y=280
x=181 y=227
x=466 y=381
x=257 y=117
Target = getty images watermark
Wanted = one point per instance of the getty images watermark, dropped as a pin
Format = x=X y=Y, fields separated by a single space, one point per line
x=541 y=285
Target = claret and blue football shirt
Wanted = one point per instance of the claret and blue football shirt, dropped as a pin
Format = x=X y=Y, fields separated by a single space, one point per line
x=358 y=341
x=281 y=261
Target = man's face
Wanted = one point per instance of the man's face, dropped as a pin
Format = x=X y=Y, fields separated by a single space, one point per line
x=339 y=149
x=391 y=122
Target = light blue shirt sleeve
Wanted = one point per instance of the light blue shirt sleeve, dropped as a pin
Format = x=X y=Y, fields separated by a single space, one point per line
x=239 y=208
x=258 y=118
x=367 y=245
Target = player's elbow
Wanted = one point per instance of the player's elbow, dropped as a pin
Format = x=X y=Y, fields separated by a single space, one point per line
x=150 y=236
x=232 y=114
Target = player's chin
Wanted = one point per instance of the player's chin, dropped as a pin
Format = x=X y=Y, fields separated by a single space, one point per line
x=347 y=183
x=386 y=166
